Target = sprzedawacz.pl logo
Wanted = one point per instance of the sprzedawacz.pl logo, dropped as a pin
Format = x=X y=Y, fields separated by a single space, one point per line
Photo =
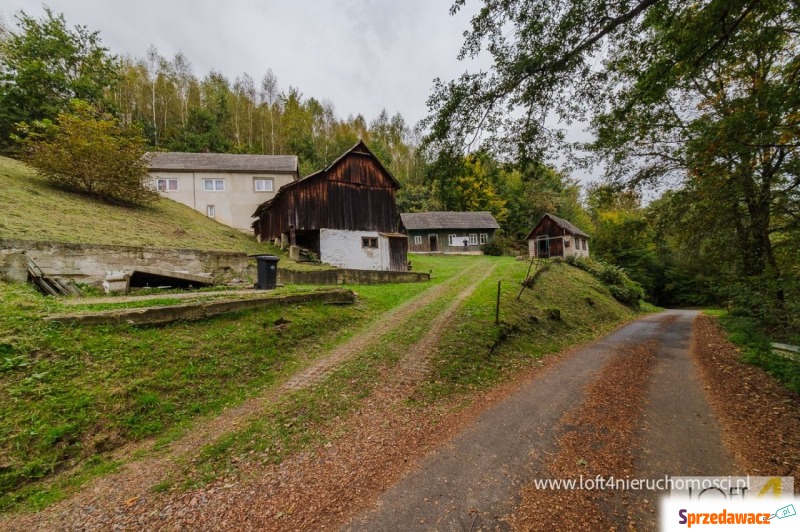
x=721 y=518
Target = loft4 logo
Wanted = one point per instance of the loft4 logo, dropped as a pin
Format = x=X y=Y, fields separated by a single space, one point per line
x=782 y=513
x=732 y=488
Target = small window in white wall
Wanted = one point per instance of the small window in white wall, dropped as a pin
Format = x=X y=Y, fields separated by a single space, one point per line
x=369 y=242
x=473 y=239
x=214 y=185
x=263 y=185
x=167 y=185
x=418 y=240
x=210 y=211
x=484 y=238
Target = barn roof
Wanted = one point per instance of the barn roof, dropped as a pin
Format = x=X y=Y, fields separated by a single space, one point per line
x=359 y=148
x=562 y=223
x=449 y=220
x=221 y=162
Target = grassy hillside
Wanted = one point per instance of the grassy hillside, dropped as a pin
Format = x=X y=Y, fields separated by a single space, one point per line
x=33 y=210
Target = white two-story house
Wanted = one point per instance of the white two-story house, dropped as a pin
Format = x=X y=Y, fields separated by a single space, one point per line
x=225 y=187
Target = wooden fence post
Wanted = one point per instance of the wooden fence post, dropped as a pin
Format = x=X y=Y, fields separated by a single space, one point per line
x=497 y=309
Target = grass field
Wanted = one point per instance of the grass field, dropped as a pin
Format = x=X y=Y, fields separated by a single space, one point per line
x=71 y=394
x=475 y=354
x=34 y=210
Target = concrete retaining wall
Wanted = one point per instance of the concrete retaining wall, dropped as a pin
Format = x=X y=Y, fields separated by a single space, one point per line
x=197 y=311
x=89 y=263
x=329 y=277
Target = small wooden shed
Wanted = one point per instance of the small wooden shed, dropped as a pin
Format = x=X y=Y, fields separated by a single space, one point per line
x=556 y=237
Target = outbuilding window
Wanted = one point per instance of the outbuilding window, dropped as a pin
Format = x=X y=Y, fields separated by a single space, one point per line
x=473 y=239
x=417 y=240
x=167 y=185
x=369 y=242
x=484 y=238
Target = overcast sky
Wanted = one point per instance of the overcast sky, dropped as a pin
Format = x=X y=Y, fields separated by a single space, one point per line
x=363 y=55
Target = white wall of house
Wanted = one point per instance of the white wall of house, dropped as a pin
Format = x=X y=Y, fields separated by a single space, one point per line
x=347 y=249
x=573 y=246
x=233 y=205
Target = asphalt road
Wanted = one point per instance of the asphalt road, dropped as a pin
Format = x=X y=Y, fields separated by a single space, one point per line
x=474 y=481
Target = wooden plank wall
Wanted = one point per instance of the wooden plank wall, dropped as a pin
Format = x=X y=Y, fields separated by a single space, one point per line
x=355 y=195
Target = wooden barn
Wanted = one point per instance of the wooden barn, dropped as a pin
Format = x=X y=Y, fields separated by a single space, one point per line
x=556 y=237
x=448 y=232
x=346 y=214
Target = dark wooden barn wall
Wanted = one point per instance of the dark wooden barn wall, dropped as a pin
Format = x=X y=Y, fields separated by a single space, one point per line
x=354 y=195
x=548 y=227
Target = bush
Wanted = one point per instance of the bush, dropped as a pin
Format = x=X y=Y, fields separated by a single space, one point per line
x=493 y=247
x=623 y=288
x=90 y=153
x=500 y=244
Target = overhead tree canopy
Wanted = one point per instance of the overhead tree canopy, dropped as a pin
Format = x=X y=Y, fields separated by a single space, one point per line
x=703 y=95
x=548 y=62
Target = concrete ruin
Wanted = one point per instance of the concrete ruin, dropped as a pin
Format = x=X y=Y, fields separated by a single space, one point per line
x=91 y=263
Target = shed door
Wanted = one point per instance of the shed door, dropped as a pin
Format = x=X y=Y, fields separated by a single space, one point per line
x=398 y=254
x=543 y=246
x=433 y=240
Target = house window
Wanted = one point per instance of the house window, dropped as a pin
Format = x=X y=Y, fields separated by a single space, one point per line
x=167 y=185
x=585 y=244
x=369 y=242
x=263 y=185
x=214 y=185
x=417 y=240
x=455 y=241
x=210 y=211
x=484 y=238
x=473 y=239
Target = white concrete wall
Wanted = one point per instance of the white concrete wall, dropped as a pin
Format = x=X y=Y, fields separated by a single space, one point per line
x=343 y=249
x=234 y=205
x=573 y=250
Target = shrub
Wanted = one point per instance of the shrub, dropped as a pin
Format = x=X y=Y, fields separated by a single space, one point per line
x=623 y=288
x=90 y=153
x=493 y=247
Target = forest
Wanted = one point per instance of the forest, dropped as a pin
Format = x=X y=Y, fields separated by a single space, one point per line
x=694 y=108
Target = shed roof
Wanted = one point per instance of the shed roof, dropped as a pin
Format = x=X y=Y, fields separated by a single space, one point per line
x=449 y=220
x=562 y=223
x=224 y=162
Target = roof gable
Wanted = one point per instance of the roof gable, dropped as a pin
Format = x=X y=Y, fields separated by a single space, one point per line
x=449 y=220
x=560 y=222
x=360 y=149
